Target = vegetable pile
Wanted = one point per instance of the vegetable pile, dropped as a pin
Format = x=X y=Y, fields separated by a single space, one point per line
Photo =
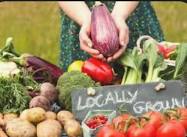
x=42 y=70
x=170 y=123
x=38 y=122
x=149 y=65
x=19 y=81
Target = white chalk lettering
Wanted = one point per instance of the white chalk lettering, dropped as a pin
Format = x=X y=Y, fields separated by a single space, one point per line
x=167 y=105
x=173 y=103
x=148 y=106
x=158 y=106
x=90 y=102
x=101 y=100
x=178 y=103
x=109 y=98
x=142 y=106
x=97 y=101
x=79 y=106
x=138 y=107
x=127 y=97
x=132 y=96
x=118 y=99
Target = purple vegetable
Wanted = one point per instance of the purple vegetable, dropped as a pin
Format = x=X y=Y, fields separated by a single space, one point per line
x=104 y=33
x=43 y=71
x=33 y=93
x=40 y=101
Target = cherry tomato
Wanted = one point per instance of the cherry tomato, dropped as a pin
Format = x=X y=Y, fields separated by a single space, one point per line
x=146 y=130
x=171 y=128
x=156 y=118
x=109 y=131
x=96 y=121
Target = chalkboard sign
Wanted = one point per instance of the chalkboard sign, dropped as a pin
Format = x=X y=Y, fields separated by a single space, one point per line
x=138 y=99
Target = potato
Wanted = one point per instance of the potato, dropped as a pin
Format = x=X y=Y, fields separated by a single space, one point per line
x=2 y=133
x=49 y=128
x=50 y=115
x=73 y=128
x=64 y=115
x=20 y=128
x=40 y=101
x=9 y=116
x=36 y=115
x=24 y=114
x=49 y=91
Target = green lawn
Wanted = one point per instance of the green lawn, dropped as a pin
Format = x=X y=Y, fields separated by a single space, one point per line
x=35 y=26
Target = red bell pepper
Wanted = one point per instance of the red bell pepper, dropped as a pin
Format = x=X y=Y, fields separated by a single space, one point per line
x=98 y=70
x=166 y=50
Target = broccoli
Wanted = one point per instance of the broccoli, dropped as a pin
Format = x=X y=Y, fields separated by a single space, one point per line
x=70 y=81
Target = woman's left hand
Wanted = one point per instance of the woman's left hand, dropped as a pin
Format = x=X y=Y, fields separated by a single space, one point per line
x=123 y=37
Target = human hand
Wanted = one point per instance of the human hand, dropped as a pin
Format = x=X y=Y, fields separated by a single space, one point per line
x=86 y=43
x=123 y=37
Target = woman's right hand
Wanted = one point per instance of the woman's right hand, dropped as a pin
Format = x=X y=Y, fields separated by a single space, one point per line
x=86 y=43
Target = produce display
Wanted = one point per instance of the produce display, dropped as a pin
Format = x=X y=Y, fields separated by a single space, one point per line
x=151 y=124
x=149 y=65
x=38 y=122
x=35 y=95
x=27 y=96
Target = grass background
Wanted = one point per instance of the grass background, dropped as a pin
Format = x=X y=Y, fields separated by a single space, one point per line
x=35 y=26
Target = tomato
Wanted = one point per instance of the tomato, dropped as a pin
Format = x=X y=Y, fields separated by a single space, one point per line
x=120 y=121
x=156 y=118
x=181 y=116
x=146 y=130
x=171 y=128
x=109 y=131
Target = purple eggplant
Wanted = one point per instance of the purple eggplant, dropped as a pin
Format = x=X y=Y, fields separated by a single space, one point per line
x=43 y=71
x=104 y=32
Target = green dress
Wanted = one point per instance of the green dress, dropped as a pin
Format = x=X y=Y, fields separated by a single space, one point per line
x=142 y=21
